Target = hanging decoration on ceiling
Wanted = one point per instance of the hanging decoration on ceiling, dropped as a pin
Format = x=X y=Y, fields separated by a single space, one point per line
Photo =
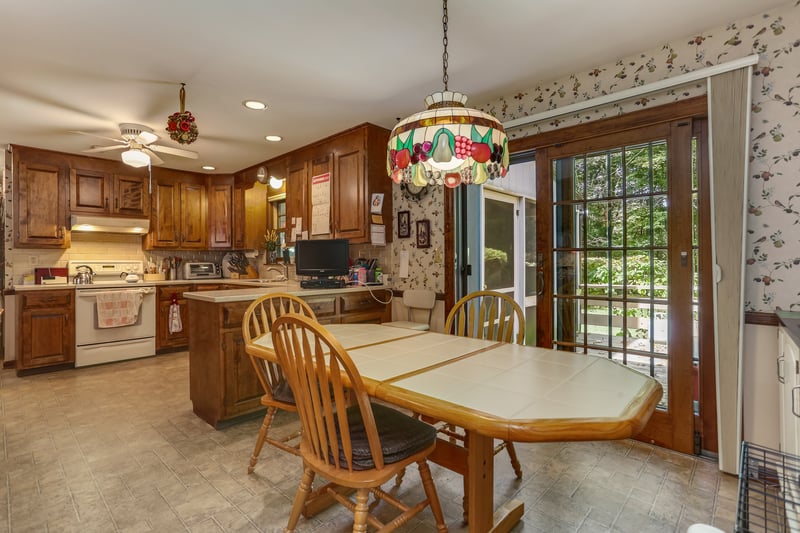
x=448 y=143
x=181 y=125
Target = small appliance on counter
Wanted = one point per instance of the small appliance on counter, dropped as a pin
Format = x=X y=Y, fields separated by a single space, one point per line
x=200 y=271
x=50 y=275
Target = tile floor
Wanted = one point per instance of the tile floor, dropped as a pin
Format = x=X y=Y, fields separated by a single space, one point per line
x=117 y=448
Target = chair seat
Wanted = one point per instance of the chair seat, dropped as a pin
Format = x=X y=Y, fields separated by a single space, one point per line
x=401 y=436
x=283 y=393
x=419 y=326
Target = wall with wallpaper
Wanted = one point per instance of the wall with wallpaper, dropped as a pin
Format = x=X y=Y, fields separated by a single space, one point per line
x=773 y=241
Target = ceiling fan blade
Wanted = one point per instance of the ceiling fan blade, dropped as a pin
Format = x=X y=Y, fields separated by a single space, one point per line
x=100 y=136
x=98 y=149
x=154 y=159
x=173 y=151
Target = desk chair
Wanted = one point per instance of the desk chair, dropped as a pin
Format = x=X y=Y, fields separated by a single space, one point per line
x=416 y=300
x=257 y=321
x=346 y=439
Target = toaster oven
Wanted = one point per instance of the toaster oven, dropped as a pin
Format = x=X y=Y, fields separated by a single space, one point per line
x=200 y=271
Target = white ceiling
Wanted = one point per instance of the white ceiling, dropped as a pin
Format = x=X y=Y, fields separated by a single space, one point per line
x=322 y=66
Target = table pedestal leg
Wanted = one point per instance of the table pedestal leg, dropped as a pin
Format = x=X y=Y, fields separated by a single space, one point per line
x=480 y=489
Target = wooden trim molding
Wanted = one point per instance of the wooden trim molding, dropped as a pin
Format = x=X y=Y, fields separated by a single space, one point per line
x=761 y=319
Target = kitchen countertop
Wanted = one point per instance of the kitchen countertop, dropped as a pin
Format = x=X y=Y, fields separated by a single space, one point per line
x=122 y=284
x=256 y=289
x=791 y=321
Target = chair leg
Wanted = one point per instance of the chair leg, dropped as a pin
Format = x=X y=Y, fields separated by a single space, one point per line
x=300 y=498
x=433 y=496
x=262 y=436
x=361 y=511
x=399 y=478
x=512 y=454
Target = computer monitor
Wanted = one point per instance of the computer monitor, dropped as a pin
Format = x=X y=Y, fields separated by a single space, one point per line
x=322 y=258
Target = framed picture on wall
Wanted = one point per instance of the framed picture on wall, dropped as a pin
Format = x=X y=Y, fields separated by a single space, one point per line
x=423 y=234
x=403 y=224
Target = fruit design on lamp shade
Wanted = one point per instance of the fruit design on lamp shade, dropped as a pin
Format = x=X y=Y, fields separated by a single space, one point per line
x=441 y=157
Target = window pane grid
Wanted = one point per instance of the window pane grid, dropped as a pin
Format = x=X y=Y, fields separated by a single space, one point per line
x=610 y=255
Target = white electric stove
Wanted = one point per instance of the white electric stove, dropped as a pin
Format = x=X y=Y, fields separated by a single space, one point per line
x=96 y=344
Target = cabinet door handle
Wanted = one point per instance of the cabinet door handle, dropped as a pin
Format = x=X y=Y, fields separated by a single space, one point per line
x=116 y=203
x=794 y=402
x=106 y=204
x=780 y=366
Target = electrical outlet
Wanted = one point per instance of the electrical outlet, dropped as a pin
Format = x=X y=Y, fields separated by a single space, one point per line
x=33 y=260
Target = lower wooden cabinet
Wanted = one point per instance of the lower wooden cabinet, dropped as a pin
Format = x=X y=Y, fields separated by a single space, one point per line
x=222 y=382
x=45 y=329
x=164 y=339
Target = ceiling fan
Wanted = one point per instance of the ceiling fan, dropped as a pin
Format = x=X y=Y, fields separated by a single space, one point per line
x=137 y=141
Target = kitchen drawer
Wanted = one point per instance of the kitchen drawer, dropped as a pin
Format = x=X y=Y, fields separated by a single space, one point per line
x=165 y=293
x=47 y=299
x=322 y=305
x=360 y=302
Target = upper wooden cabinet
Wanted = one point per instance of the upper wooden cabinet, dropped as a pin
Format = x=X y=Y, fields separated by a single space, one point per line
x=220 y=215
x=178 y=215
x=355 y=161
x=103 y=193
x=40 y=202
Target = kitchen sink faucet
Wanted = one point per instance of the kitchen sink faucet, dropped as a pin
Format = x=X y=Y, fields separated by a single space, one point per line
x=284 y=271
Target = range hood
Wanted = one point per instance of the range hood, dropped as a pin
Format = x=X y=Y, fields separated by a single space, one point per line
x=88 y=223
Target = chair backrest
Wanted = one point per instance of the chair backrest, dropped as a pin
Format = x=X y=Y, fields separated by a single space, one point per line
x=422 y=299
x=258 y=320
x=314 y=361
x=487 y=315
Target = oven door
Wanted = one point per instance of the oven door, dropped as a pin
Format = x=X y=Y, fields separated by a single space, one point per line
x=88 y=332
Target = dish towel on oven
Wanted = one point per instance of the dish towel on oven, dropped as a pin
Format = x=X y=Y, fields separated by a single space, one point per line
x=175 y=325
x=118 y=308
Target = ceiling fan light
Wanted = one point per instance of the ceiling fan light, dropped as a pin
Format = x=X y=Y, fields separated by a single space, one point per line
x=148 y=137
x=135 y=158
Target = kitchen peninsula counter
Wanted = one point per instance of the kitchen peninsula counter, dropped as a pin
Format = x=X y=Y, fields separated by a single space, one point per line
x=222 y=383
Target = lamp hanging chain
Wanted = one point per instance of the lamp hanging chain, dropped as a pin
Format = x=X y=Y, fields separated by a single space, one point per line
x=444 y=43
x=183 y=97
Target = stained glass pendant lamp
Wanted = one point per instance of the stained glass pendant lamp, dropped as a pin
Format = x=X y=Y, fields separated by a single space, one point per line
x=448 y=143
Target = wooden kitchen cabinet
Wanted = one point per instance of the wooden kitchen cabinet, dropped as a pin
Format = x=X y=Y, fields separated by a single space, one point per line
x=362 y=308
x=222 y=382
x=356 y=161
x=178 y=215
x=45 y=329
x=103 y=193
x=249 y=213
x=166 y=341
x=220 y=215
x=297 y=177
x=40 y=203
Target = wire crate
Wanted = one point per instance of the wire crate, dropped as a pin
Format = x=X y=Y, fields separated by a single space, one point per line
x=769 y=491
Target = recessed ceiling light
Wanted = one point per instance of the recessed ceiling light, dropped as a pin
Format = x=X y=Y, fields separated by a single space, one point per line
x=209 y=167
x=254 y=104
x=273 y=138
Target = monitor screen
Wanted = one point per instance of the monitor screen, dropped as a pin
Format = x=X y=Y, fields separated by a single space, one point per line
x=322 y=257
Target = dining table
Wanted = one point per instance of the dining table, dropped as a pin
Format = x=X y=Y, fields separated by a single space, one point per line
x=494 y=390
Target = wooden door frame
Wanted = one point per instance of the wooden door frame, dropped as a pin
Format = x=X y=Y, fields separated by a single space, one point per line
x=674 y=113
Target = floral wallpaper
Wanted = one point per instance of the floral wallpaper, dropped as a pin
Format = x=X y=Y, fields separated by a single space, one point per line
x=773 y=242
x=425 y=265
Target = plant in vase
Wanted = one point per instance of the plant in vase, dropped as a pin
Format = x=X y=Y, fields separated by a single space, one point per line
x=272 y=245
